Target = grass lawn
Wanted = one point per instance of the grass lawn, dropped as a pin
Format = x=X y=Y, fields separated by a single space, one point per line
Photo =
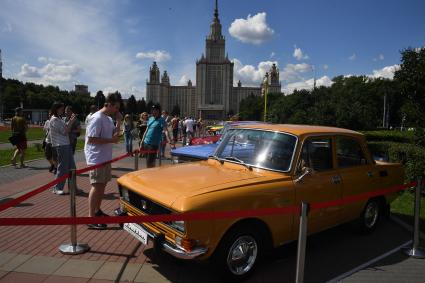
x=32 y=134
x=403 y=208
x=404 y=204
x=31 y=153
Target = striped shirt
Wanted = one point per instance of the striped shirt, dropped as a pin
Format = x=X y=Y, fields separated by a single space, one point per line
x=57 y=132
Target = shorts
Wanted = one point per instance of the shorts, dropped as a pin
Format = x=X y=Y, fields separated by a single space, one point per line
x=49 y=153
x=100 y=175
x=151 y=156
x=22 y=144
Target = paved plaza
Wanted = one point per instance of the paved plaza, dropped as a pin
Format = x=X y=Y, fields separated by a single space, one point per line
x=31 y=254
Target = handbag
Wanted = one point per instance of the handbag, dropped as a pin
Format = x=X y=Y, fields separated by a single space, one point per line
x=14 y=139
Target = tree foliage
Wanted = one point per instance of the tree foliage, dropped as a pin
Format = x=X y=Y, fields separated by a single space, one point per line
x=355 y=102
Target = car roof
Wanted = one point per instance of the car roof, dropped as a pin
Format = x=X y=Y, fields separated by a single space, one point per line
x=299 y=130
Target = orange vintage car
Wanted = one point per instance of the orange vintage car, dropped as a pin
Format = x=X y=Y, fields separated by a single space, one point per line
x=258 y=166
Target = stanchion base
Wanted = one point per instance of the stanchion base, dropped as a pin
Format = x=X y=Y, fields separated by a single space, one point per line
x=416 y=253
x=69 y=249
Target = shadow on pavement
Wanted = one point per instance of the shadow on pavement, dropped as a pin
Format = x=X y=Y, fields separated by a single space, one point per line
x=25 y=204
x=329 y=254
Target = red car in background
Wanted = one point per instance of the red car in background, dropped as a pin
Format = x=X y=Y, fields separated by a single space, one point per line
x=218 y=134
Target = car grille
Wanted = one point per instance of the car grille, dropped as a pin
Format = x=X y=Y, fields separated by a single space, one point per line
x=146 y=205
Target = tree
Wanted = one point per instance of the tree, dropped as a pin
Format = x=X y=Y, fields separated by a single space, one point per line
x=141 y=106
x=176 y=110
x=99 y=99
x=149 y=106
x=251 y=108
x=131 y=105
x=411 y=78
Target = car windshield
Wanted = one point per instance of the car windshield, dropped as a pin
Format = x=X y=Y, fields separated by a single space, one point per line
x=257 y=148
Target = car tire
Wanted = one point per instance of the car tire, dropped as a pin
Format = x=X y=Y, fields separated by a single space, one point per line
x=370 y=216
x=239 y=252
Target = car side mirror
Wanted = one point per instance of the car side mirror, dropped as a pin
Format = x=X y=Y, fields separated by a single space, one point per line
x=305 y=172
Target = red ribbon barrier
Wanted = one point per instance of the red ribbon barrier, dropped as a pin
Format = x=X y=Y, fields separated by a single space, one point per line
x=63 y=178
x=194 y=215
x=26 y=196
x=54 y=182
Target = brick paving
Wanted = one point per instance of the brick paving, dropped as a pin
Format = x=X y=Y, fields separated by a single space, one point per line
x=31 y=254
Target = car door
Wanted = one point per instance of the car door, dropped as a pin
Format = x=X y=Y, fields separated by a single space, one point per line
x=323 y=184
x=358 y=173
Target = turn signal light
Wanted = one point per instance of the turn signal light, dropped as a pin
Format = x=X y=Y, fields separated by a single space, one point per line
x=188 y=244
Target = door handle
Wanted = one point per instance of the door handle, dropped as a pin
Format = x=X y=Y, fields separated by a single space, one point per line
x=336 y=179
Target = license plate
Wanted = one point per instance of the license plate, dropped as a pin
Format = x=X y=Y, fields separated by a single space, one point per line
x=137 y=231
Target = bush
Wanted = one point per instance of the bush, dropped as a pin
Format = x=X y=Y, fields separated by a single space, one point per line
x=419 y=137
x=390 y=136
x=410 y=155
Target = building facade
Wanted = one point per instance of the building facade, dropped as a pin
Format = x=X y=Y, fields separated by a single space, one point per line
x=214 y=97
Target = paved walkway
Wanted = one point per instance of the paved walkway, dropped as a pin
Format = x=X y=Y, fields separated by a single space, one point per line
x=30 y=253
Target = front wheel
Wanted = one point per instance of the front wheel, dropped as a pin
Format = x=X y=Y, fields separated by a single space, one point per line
x=238 y=253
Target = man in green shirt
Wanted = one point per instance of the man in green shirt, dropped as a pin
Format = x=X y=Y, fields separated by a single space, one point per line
x=19 y=128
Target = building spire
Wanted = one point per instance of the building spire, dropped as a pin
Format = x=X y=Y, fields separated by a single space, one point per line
x=216 y=9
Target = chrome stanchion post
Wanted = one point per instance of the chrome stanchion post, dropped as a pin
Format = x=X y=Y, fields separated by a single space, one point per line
x=74 y=247
x=136 y=161
x=302 y=241
x=416 y=251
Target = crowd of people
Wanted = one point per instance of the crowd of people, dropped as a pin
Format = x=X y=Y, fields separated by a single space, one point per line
x=104 y=127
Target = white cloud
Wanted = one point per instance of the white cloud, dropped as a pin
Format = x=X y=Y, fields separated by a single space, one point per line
x=158 y=55
x=82 y=32
x=307 y=84
x=272 y=55
x=250 y=75
x=183 y=80
x=386 y=72
x=325 y=67
x=293 y=72
x=6 y=27
x=352 y=57
x=252 y=30
x=55 y=72
x=379 y=58
x=298 y=54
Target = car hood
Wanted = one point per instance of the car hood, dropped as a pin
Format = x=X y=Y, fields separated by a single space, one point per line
x=195 y=151
x=166 y=184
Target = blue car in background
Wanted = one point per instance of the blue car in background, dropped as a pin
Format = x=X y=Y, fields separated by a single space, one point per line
x=201 y=152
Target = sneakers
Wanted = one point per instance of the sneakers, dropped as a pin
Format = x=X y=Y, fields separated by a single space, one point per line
x=97 y=226
x=100 y=213
x=58 y=192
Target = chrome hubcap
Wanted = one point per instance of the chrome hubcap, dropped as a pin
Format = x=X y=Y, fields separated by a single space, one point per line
x=242 y=255
x=371 y=214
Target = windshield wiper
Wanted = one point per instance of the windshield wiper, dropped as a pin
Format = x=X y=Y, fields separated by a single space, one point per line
x=233 y=158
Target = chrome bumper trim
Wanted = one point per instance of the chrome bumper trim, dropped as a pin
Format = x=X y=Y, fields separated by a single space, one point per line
x=171 y=249
x=182 y=254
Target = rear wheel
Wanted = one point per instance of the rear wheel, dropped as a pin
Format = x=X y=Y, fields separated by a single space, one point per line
x=370 y=216
x=239 y=252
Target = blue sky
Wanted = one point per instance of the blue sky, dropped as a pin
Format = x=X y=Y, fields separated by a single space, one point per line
x=110 y=45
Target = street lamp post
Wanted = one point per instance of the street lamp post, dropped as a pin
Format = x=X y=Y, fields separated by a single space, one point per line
x=266 y=90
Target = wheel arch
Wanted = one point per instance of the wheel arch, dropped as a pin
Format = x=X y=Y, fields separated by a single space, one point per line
x=253 y=223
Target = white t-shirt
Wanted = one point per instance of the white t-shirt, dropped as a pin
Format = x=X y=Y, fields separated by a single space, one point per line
x=88 y=118
x=57 y=132
x=100 y=126
x=189 y=125
x=46 y=129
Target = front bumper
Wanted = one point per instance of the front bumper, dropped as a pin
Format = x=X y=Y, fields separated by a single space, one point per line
x=160 y=244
